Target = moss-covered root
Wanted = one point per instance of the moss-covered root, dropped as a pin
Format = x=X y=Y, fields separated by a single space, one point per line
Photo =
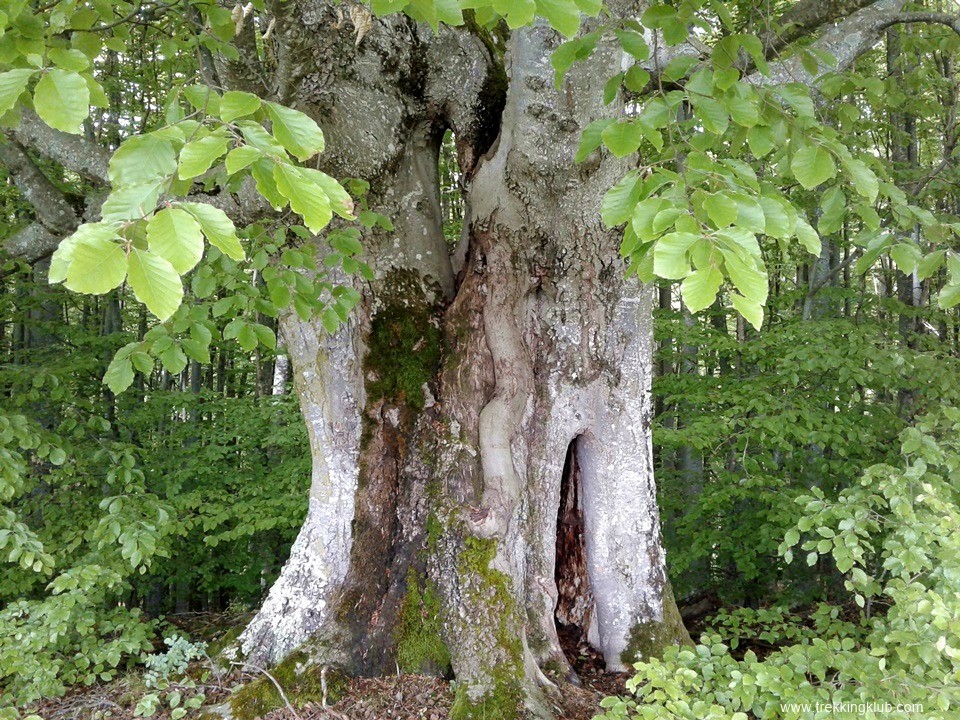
x=504 y=701
x=302 y=681
x=494 y=638
x=649 y=639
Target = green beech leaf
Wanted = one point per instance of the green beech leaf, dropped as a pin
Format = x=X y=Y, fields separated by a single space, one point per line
x=131 y=202
x=760 y=140
x=929 y=264
x=175 y=235
x=620 y=200
x=63 y=255
x=743 y=110
x=569 y=52
x=119 y=375
x=808 y=237
x=778 y=221
x=297 y=132
x=217 y=227
x=203 y=99
x=699 y=289
x=797 y=96
x=712 y=114
x=645 y=215
x=142 y=159
x=741 y=241
x=197 y=156
x=306 y=198
x=670 y=255
x=155 y=283
x=340 y=201
x=387 y=7
x=812 y=166
x=622 y=138
x=259 y=138
x=12 y=85
x=591 y=139
x=62 y=100
x=563 y=15
x=752 y=311
x=833 y=208
x=636 y=78
x=721 y=209
x=749 y=278
x=949 y=296
x=68 y=59
x=907 y=256
x=750 y=214
x=518 y=13
x=633 y=43
x=241 y=157
x=97 y=265
x=864 y=180
x=235 y=104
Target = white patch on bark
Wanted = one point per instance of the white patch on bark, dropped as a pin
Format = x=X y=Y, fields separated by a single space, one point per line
x=328 y=377
x=621 y=521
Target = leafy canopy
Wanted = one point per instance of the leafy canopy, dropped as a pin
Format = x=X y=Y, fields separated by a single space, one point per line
x=720 y=150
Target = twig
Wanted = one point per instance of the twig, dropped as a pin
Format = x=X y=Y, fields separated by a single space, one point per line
x=283 y=695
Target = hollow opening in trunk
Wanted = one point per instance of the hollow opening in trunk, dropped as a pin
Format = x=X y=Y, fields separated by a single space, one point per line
x=451 y=191
x=574 y=613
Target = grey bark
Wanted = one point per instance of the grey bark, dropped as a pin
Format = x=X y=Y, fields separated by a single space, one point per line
x=545 y=342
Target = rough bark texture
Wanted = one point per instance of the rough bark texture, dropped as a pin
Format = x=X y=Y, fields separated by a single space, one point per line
x=440 y=417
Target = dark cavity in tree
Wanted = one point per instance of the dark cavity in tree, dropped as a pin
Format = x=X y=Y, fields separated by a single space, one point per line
x=574 y=613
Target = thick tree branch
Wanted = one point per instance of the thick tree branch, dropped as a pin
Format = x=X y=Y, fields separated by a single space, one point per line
x=31 y=244
x=51 y=207
x=37 y=241
x=76 y=153
x=929 y=18
x=845 y=41
x=806 y=17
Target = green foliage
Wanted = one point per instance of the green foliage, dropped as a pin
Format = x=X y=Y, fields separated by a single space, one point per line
x=68 y=637
x=893 y=535
x=104 y=514
x=166 y=673
x=805 y=403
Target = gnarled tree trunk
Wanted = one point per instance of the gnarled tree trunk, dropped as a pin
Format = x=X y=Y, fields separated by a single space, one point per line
x=442 y=415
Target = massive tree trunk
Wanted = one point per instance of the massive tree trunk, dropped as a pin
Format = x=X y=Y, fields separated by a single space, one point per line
x=443 y=414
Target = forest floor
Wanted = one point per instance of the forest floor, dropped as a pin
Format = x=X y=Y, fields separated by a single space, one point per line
x=396 y=697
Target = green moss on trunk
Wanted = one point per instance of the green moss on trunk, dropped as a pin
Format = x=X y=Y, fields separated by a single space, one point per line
x=419 y=641
x=490 y=595
x=649 y=639
x=404 y=344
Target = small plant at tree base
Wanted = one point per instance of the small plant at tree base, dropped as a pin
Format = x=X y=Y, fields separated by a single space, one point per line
x=166 y=672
